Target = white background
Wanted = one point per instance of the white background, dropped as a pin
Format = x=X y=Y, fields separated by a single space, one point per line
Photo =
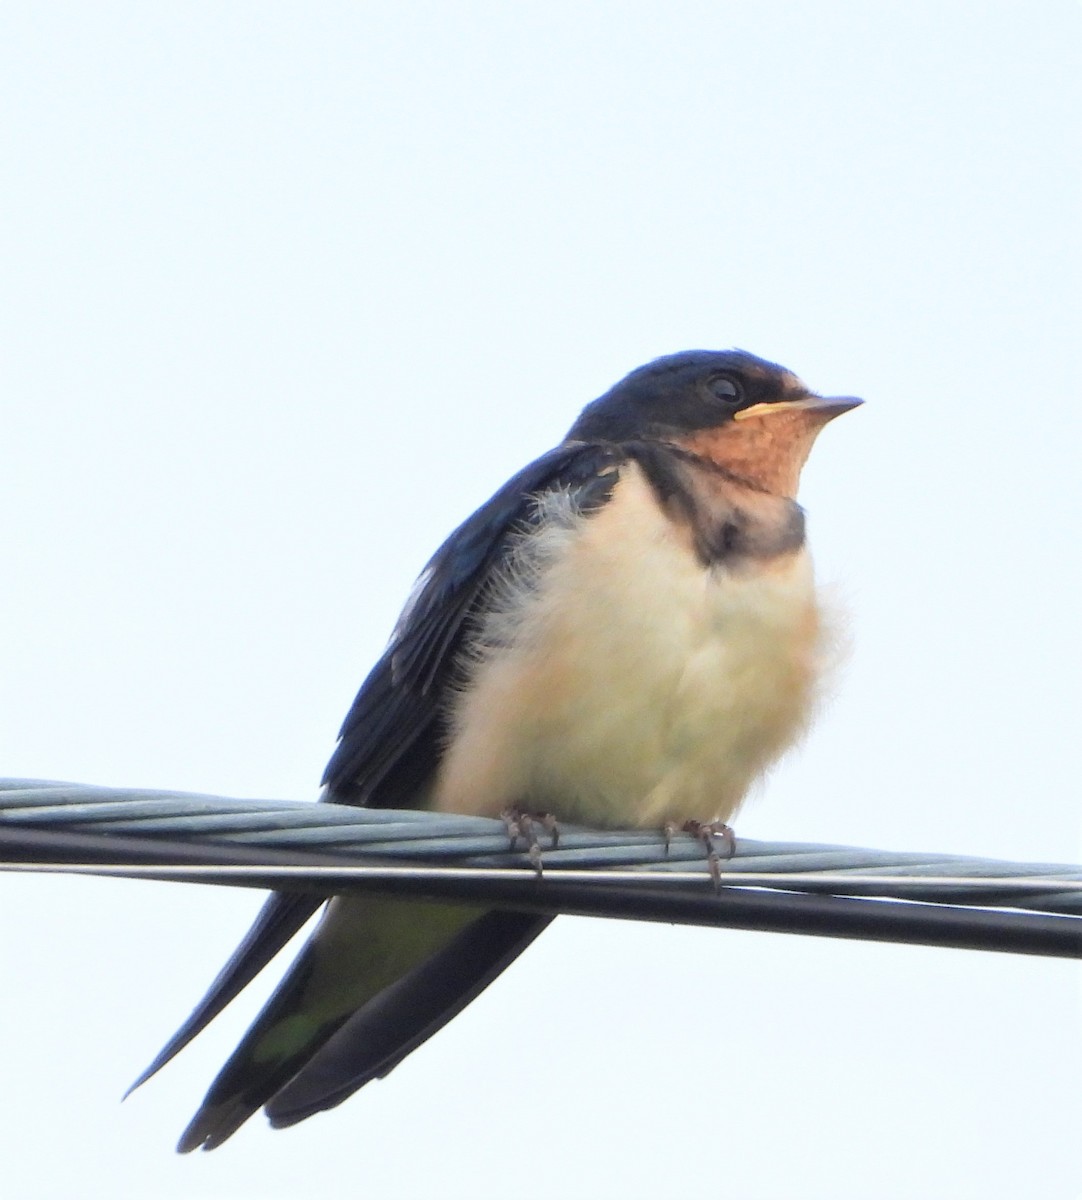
x=288 y=290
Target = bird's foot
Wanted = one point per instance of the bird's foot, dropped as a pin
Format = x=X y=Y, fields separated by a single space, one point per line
x=525 y=825
x=706 y=832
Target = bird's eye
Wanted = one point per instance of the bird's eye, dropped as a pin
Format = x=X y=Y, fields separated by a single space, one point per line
x=724 y=387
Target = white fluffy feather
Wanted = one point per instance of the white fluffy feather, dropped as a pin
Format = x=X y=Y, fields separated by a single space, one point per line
x=619 y=681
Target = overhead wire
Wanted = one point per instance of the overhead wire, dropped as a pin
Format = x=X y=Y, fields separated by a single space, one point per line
x=826 y=890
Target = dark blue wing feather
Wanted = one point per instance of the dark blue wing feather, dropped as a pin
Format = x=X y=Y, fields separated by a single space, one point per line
x=391 y=739
x=399 y=707
x=392 y=1025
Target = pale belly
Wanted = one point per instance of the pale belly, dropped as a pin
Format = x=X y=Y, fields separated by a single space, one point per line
x=641 y=687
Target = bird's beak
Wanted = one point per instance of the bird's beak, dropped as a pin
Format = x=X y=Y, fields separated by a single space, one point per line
x=825 y=408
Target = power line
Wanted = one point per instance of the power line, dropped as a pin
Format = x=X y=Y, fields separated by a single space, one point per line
x=825 y=890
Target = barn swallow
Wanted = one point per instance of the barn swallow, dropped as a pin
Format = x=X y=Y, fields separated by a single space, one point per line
x=626 y=635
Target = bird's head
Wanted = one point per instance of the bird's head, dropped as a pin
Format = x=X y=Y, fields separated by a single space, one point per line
x=751 y=417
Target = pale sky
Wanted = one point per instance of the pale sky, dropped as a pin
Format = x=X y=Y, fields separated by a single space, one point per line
x=287 y=291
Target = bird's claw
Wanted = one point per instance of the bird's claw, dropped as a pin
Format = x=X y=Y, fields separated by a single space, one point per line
x=706 y=832
x=522 y=824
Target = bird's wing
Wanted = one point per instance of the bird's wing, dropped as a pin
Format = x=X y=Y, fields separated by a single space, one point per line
x=390 y=741
x=392 y=734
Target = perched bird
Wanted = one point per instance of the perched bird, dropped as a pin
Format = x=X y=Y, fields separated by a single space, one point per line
x=626 y=635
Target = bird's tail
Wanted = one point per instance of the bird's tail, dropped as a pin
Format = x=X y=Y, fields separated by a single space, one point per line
x=279 y=919
x=376 y=979
x=392 y=1025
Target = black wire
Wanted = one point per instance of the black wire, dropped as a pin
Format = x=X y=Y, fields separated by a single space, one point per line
x=694 y=904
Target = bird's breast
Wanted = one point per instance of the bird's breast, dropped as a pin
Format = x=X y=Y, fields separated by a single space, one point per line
x=618 y=680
